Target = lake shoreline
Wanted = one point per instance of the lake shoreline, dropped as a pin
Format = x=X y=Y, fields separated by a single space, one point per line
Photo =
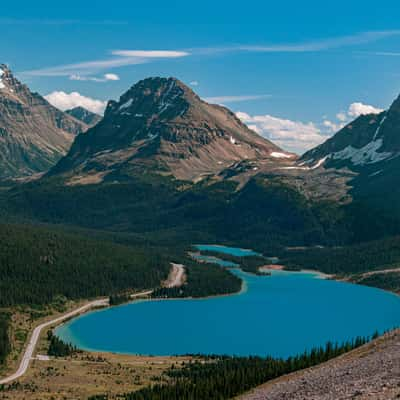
x=283 y=277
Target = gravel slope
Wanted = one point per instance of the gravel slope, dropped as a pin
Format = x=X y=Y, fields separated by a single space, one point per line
x=371 y=372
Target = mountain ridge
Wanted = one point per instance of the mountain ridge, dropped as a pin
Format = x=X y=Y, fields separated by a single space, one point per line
x=161 y=125
x=34 y=135
x=82 y=114
x=369 y=140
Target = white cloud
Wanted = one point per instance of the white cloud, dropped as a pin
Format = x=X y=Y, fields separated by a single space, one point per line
x=299 y=136
x=194 y=83
x=65 y=101
x=291 y=135
x=332 y=127
x=357 y=109
x=150 y=53
x=105 y=78
x=342 y=116
x=111 y=77
x=234 y=99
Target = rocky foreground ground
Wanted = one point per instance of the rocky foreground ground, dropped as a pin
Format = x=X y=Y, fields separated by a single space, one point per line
x=371 y=372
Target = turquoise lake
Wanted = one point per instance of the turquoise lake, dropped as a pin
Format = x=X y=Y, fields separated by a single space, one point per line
x=278 y=315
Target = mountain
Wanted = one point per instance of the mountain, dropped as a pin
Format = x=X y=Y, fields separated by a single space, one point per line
x=84 y=115
x=369 y=142
x=34 y=135
x=162 y=126
x=127 y=172
x=369 y=147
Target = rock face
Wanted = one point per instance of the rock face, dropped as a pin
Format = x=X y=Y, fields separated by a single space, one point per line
x=34 y=135
x=370 y=148
x=370 y=140
x=160 y=125
x=84 y=115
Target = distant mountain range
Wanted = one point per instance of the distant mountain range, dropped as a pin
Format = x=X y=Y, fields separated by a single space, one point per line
x=34 y=135
x=86 y=116
x=164 y=161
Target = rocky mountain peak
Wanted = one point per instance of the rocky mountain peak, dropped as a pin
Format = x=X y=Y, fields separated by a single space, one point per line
x=161 y=97
x=9 y=85
x=367 y=141
x=161 y=125
x=33 y=133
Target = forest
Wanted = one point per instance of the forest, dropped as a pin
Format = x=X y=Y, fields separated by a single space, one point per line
x=388 y=281
x=203 y=280
x=219 y=378
x=4 y=339
x=38 y=265
x=369 y=256
x=58 y=348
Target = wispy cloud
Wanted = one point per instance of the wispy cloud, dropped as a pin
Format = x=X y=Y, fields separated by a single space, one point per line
x=85 y=68
x=121 y=58
x=306 y=46
x=150 y=53
x=235 y=99
x=44 y=21
x=105 y=78
x=382 y=53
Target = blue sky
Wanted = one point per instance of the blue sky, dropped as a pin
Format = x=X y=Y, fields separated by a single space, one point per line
x=295 y=70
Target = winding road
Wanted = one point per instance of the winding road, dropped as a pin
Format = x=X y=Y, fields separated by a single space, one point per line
x=30 y=349
x=176 y=277
x=23 y=367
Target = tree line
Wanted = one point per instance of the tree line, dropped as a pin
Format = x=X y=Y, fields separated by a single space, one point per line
x=369 y=256
x=219 y=378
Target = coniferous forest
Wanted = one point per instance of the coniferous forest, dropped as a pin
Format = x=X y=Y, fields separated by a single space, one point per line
x=58 y=348
x=220 y=378
x=37 y=265
x=359 y=258
x=4 y=339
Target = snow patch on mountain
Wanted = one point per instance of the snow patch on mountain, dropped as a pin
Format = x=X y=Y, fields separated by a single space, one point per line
x=167 y=100
x=301 y=166
x=365 y=155
x=2 y=86
x=276 y=154
x=125 y=105
x=379 y=127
